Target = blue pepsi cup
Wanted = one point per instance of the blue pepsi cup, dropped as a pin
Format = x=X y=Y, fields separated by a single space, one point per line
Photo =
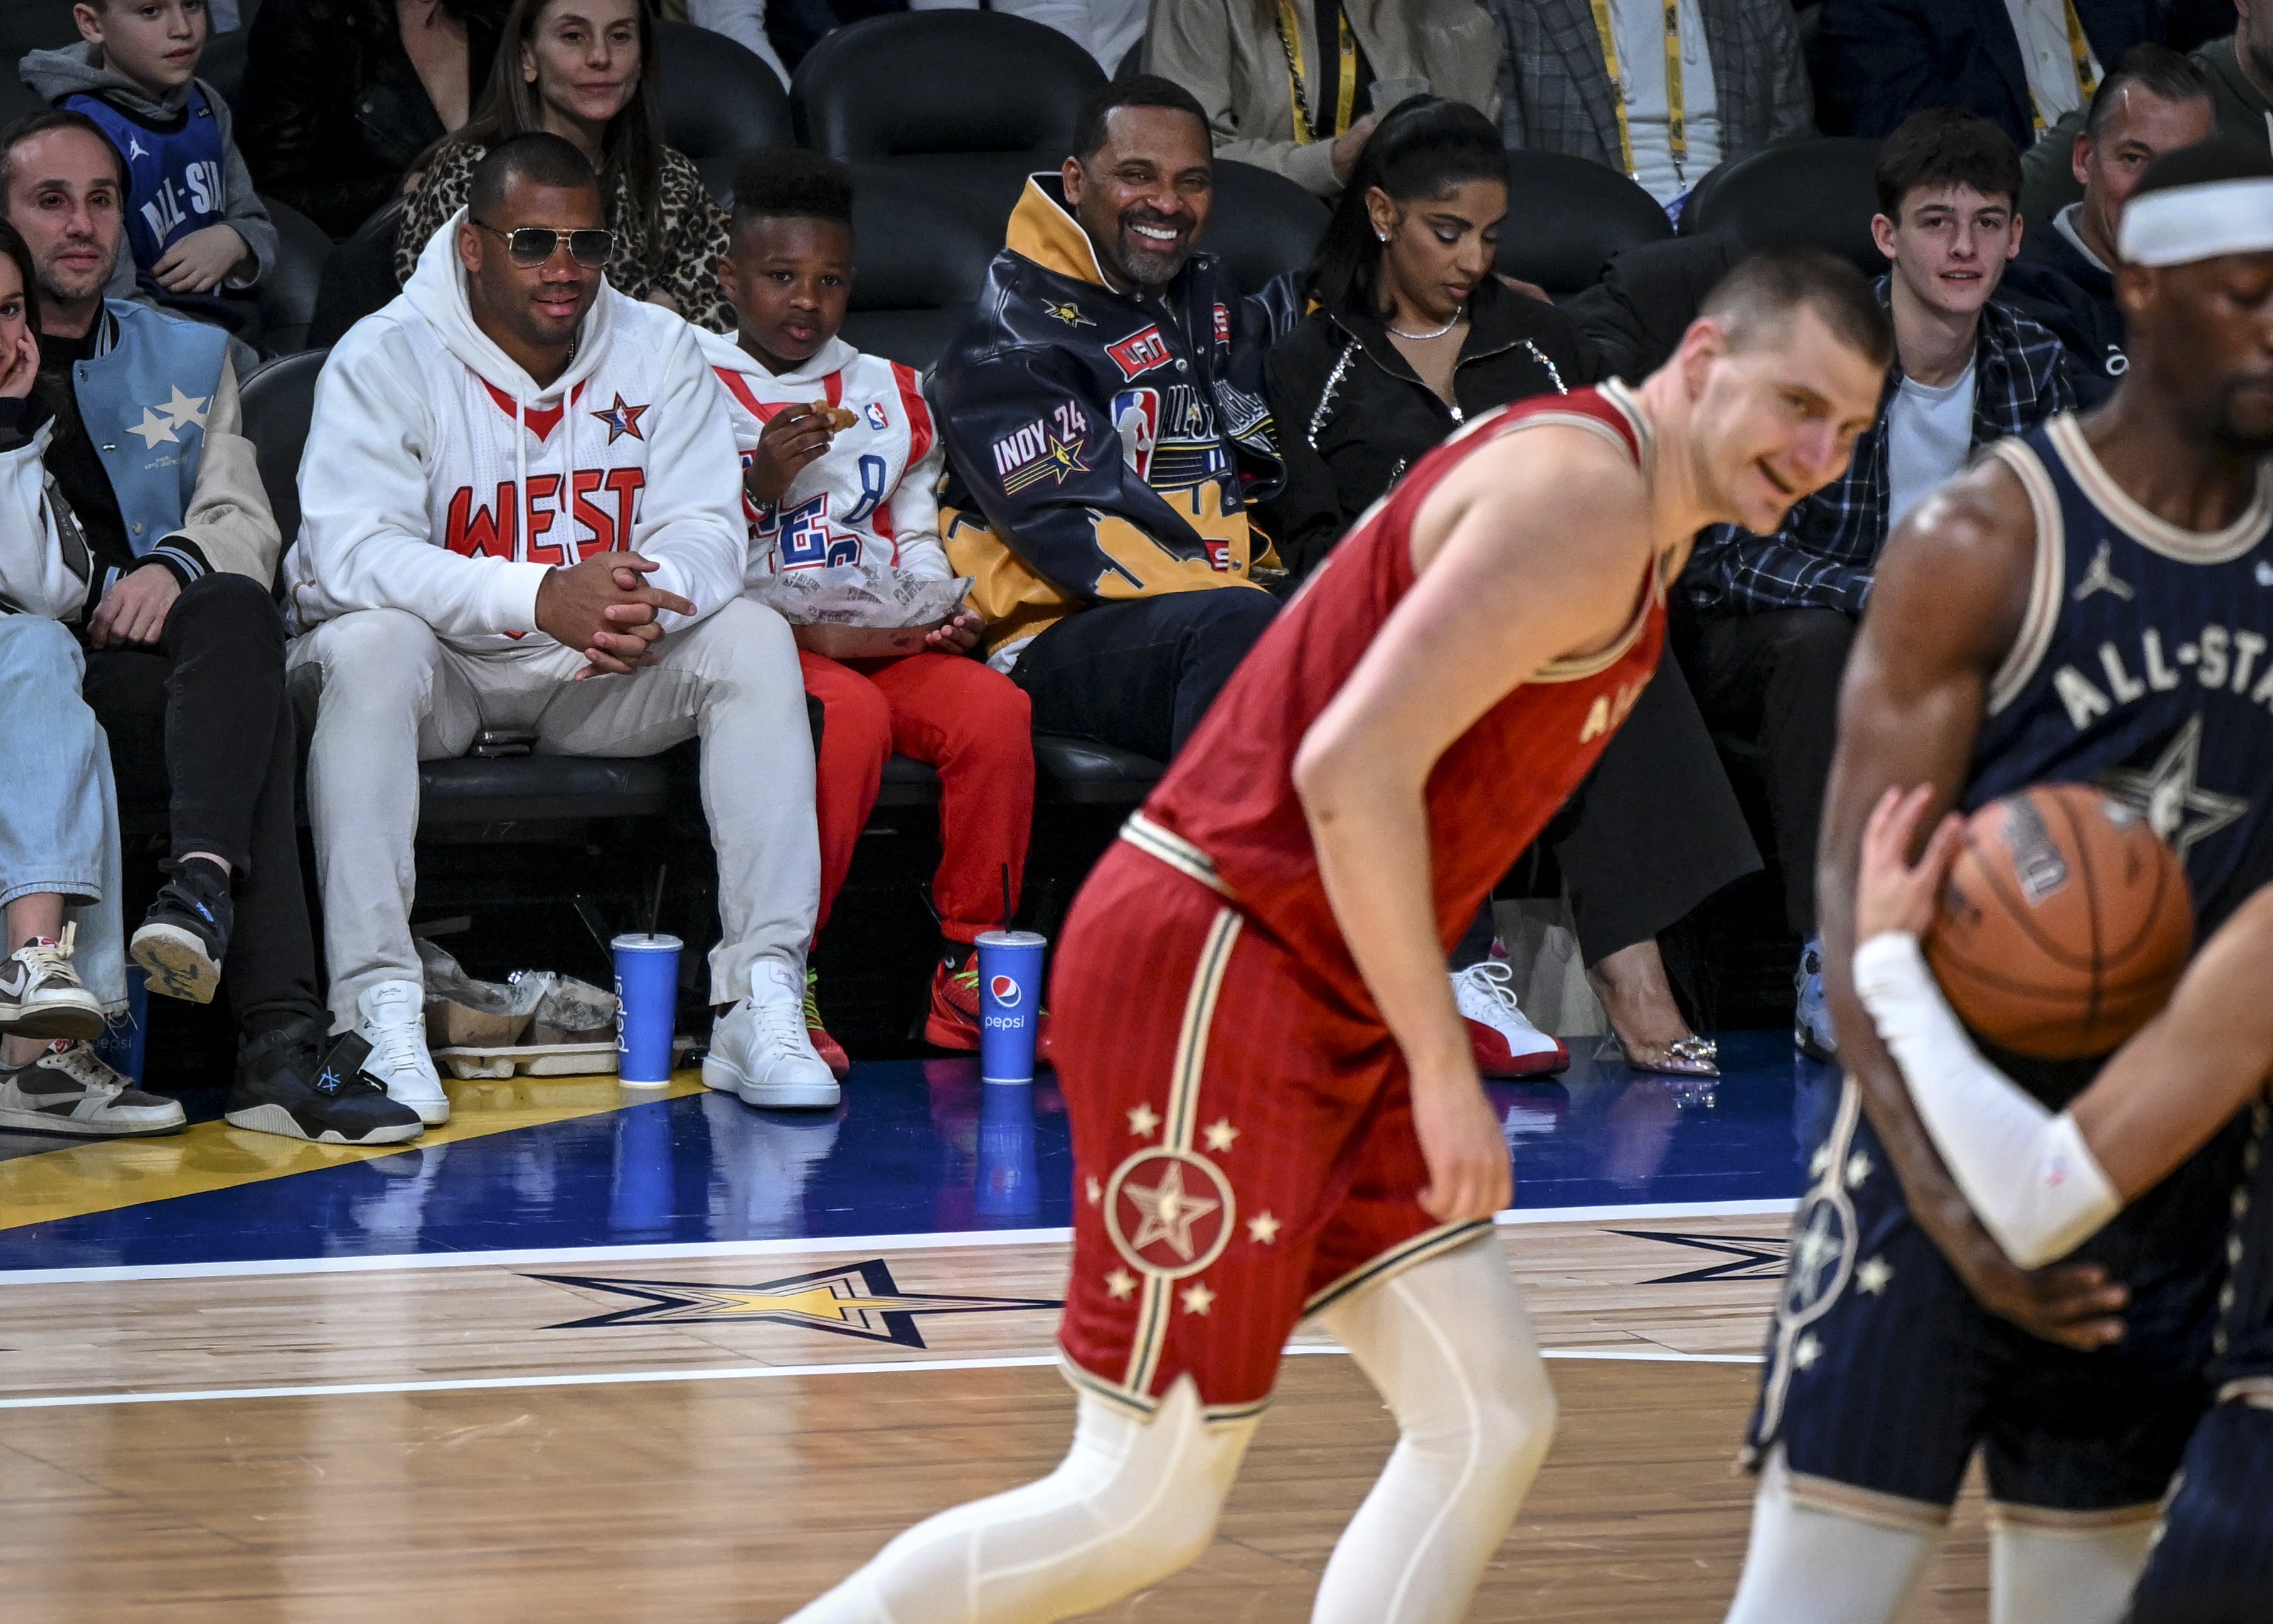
x=1009 y=1004
x=124 y=1044
x=646 y=1000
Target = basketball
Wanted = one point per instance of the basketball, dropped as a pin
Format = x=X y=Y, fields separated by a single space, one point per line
x=2064 y=923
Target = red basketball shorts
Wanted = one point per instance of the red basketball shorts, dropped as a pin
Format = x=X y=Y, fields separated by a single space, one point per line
x=1243 y=1151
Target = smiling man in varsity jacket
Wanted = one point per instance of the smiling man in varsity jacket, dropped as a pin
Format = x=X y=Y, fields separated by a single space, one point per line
x=521 y=510
x=1106 y=430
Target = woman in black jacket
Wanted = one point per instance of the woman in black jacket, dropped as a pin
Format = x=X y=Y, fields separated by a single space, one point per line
x=1411 y=335
x=351 y=92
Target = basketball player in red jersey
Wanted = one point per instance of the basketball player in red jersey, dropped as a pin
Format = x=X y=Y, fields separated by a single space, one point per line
x=1275 y=1110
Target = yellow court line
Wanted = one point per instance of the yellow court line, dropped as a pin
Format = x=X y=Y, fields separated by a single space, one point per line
x=79 y=1179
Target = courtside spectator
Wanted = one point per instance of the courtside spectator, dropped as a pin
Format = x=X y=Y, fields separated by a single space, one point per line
x=1105 y=424
x=62 y=964
x=2240 y=71
x=587 y=71
x=346 y=94
x=1568 y=66
x=194 y=223
x=156 y=508
x=1289 y=85
x=2023 y=64
x=857 y=490
x=2156 y=101
x=1774 y=616
x=500 y=461
x=1414 y=337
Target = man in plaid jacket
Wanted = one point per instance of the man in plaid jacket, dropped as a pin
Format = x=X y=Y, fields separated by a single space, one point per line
x=1772 y=617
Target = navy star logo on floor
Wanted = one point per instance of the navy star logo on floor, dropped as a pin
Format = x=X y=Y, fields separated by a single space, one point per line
x=1751 y=1257
x=860 y=1300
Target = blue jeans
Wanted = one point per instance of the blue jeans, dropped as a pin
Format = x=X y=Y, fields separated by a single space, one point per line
x=59 y=814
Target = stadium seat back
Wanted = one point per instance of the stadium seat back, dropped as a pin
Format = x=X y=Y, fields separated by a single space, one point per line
x=1818 y=192
x=921 y=252
x=942 y=82
x=222 y=66
x=1567 y=216
x=1261 y=224
x=289 y=292
x=358 y=279
x=720 y=100
x=280 y=399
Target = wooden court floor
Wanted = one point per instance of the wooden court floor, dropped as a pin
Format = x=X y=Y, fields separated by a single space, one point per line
x=784 y=1451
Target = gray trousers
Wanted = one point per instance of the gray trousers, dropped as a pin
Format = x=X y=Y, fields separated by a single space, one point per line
x=59 y=819
x=390 y=694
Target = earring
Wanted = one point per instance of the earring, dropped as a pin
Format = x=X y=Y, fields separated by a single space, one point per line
x=1384 y=236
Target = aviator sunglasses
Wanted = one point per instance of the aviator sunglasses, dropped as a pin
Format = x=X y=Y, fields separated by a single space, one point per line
x=530 y=246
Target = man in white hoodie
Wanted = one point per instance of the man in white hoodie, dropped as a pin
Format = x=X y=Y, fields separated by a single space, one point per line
x=520 y=511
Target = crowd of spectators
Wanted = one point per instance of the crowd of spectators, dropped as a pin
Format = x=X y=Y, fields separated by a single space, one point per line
x=563 y=484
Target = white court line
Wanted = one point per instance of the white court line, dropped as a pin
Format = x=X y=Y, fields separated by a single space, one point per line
x=737 y=1373
x=1656 y=1214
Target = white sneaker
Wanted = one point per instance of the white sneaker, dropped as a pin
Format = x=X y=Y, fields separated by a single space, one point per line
x=760 y=1051
x=68 y=1089
x=1504 y=1042
x=41 y=995
x=394 y=1025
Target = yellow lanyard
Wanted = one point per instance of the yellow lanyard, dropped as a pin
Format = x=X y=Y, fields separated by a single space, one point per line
x=1676 y=128
x=1290 y=41
x=2079 y=50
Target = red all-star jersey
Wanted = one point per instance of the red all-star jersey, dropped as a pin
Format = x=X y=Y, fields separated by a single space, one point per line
x=1227 y=812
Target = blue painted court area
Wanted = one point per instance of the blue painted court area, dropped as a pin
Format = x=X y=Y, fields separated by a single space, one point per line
x=918 y=1146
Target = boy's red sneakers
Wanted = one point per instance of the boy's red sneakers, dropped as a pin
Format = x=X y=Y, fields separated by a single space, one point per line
x=831 y=1052
x=953 y=1022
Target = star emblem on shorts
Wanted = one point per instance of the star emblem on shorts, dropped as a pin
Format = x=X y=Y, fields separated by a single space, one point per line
x=621 y=419
x=1169 y=1212
x=1816 y=1250
x=1121 y=1283
x=1197 y=1298
x=1873 y=1275
x=1262 y=1229
x=1221 y=1133
x=1143 y=1121
x=2178 y=808
x=1806 y=1351
x=1821 y=1160
x=1096 y=1190
x=1859 y=1167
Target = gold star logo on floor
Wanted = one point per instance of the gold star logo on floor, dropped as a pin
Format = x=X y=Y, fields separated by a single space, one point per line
x=860 y=1300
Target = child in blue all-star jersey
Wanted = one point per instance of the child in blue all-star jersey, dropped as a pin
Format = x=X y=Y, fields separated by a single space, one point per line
x=194 y=223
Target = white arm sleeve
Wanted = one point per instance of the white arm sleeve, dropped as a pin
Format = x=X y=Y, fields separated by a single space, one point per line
x=2028 y=1175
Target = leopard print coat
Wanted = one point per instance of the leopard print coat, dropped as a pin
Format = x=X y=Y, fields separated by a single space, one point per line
x=683 y=263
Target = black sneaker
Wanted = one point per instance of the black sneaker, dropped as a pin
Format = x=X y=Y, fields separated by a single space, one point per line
x=288 y=1083
x=184 y=936
x=68 y=1089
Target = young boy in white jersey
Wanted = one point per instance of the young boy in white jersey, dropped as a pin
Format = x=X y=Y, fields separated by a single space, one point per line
x=840 y=463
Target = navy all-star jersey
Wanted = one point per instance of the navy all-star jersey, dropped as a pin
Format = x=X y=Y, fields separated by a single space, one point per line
x=2144 y=665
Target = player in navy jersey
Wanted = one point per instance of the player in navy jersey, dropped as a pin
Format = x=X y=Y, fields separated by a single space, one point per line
x=2093 y=602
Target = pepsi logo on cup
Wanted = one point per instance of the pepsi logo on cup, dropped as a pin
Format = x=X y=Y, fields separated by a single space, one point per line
x=1006 y=991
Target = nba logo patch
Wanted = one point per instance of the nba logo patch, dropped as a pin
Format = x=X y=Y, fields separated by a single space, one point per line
x=1222 y=326
x=1006 y=991
x=876 y=418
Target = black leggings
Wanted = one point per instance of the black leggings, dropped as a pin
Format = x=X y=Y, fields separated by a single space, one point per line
x=204 y=746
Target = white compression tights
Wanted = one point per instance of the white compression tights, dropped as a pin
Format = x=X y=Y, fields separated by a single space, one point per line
x=1447 y=1344
x=1825 y=1566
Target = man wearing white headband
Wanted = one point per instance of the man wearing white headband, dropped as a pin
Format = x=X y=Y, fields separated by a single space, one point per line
x=2090 y=601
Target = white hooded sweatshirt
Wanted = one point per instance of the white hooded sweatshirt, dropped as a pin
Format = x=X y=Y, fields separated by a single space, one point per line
x=441 y=479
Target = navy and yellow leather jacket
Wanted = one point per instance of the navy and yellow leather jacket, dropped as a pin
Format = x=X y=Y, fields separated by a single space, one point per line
x=1100 y=446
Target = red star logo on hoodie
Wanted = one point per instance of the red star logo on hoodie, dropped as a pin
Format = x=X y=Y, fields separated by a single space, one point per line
x=621 y=420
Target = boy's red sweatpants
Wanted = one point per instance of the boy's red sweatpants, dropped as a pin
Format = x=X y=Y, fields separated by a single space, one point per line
x=973 y=724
